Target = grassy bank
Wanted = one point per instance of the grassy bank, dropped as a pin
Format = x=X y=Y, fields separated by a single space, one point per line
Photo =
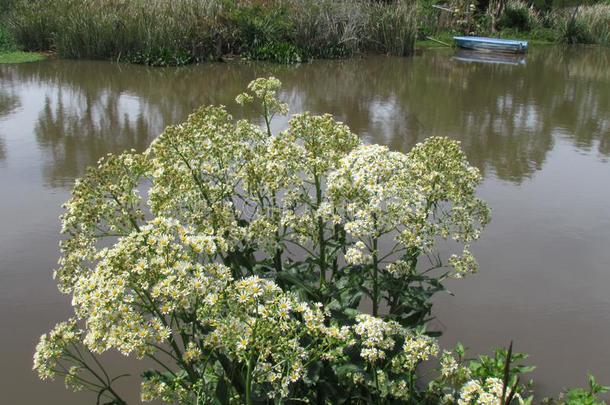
x=20 y=57
x=161 y=32
x=10 y=51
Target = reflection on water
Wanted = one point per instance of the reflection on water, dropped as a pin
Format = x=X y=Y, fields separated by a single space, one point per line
x=506 y=117
x=8 y=103
x=464 y=55
x=540 y=133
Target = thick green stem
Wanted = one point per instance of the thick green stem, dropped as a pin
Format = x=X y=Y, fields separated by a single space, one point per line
x=321 y=240
x=249 y=382
x=267 y=118
x=375 y=279
x=250 y=365
x=376 y=385
x=375 y=270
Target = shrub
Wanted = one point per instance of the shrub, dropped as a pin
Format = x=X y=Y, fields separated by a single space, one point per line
x=255 y=26
x=161 y=57
x=518 y=15
x=280 y=52
x=242 y=273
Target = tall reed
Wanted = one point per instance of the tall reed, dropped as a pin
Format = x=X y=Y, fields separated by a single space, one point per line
x=102 y=29
x=584 y=24
x=183 y=31
x=393 y=29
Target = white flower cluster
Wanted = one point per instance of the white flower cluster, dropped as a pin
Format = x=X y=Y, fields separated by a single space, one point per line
x=488 y=392
x=391 y=352
x=377 y=336
x=53 y=346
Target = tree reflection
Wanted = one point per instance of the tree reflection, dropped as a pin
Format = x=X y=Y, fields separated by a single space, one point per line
x=507 y=117
x=8 y=102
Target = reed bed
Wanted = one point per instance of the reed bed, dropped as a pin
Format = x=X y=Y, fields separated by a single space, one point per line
x=587 y=24
x=164 y=32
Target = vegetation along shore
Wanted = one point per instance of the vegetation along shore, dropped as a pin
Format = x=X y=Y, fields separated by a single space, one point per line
x=171 y=33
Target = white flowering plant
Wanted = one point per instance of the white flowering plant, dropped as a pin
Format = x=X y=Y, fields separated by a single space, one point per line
x=258 y=267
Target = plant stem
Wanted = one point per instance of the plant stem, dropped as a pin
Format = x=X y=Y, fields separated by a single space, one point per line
x=250 y=365
x=249 y=382
x=267 y=118
x=375 y=279
x=321 y=240
x=375 y=271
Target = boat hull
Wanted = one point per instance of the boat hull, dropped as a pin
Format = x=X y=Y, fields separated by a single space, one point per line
x=491 y=44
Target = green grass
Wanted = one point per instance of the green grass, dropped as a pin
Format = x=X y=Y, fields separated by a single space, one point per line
x=20 y=57
x=446 y=37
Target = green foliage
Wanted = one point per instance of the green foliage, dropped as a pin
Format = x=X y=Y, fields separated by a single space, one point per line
x=519 y=16
x=581 y=396
x=5 y=6
x=161 y=57
x=257 y=26
x=575 y=32
x=263 y=33
x=496 y=366
x=588 y=396
x=7 y=42
x=279 y=52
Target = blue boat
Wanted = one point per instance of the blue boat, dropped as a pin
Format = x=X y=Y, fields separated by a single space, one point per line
x=491 y=44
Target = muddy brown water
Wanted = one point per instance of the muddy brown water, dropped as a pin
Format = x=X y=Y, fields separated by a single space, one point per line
x=538 y=128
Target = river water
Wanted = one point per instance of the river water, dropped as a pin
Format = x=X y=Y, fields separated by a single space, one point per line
x=538 y=128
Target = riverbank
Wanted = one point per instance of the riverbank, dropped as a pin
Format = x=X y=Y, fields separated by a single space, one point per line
x=20 y=57
x=518 y=20
x=181 y=32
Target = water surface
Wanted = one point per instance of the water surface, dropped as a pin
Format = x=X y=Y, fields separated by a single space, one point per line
x=539 y=131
